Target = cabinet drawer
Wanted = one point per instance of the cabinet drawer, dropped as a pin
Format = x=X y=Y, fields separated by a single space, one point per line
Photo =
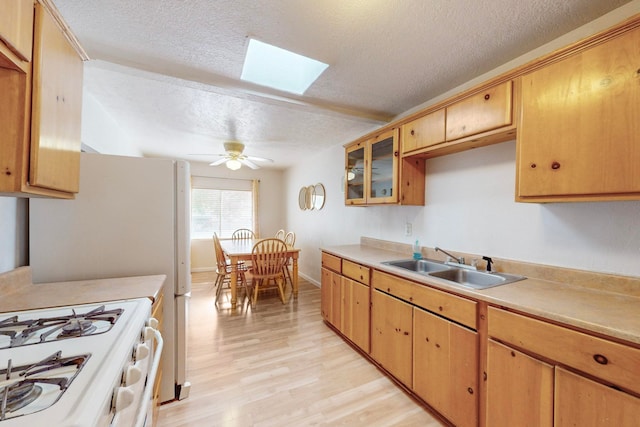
x=16 y=27
x=453 y=307
x=482 y=112
x=423 y=132
x=607 y=360
x=356 y=272
x=331 y=262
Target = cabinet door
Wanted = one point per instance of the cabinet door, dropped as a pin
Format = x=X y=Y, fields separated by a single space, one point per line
x=519 y=389
x=487 y=110
x=360 y=314
x=346 y=289
x=423 y=132
x=445 y=367
x=382 y=176
x=336 y=300
x=355 y=179
x=16 y=27
x=585 y=403
x=391 y=335
x=326 y=303
x=580 y=134
x=56 y=108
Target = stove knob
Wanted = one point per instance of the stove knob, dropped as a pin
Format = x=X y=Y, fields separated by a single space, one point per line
x=142 y=351
x=132 y=375
x=153 y=322
x=149 y=333
x=123 y=398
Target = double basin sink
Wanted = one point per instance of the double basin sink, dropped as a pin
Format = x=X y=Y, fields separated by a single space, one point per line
x=458 y=275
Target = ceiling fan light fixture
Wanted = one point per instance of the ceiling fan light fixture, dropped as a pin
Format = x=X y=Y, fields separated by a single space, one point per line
x=350 y=175
x=234 y=164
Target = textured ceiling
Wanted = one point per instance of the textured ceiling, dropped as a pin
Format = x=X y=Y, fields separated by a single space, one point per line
x=168 y=71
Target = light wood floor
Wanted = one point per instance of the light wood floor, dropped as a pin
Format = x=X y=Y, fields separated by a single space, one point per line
x=280 y=365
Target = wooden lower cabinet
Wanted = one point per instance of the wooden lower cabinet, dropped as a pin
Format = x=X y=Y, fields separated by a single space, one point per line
x=519 y=389
x=355 y=313
x=331 y=295
x=445 y=367
x=579 y=401
x=391 y=335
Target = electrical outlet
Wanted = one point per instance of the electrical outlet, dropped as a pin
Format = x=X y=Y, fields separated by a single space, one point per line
x=407 y=229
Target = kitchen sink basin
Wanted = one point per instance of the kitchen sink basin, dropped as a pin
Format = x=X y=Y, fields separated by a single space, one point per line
x=476 y=279
x=461 y=276
x=419 y=266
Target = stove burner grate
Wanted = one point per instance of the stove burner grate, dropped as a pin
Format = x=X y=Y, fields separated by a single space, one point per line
x=21 y=332
x=24 y=384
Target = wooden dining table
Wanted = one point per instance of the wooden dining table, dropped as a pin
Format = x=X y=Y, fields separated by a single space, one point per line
x=240 y=250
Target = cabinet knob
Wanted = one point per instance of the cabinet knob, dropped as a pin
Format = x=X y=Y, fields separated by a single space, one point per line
x=470 y=390
x=599 y=358
x=533 y=165
x=413 y=132
x=486 y=97
x=395 y=154
x=555 y=165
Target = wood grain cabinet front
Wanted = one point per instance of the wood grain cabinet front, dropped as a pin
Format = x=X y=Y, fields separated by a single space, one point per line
x=423 y=132
x=548 y=372
x=392 y=335
x=40 y=114
x=487 y=110
x=579 y=136
x=16 y=32
x=374 y=174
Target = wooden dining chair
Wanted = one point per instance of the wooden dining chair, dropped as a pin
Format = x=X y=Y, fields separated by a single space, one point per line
x=243 y=233
x=290 y=241
x=268 y=257
x=280 y=234
x=224 y=270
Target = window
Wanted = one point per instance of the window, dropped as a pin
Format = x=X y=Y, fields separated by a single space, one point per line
x=220 y=210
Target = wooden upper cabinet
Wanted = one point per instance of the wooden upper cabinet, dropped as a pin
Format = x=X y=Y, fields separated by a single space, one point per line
x=579 y=136
x=375 y=175
x=16 y=32
x=423 y=132
x=56 y=108
x=41 y=110
x=484 y=111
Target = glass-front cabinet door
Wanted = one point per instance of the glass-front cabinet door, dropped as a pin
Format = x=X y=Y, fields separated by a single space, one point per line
x=383 y=173
x=355 y=182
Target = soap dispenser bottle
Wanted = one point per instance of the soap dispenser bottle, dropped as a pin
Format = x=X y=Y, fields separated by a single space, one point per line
x=417 y=253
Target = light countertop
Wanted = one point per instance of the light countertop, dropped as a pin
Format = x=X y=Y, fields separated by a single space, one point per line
x=609 y=313
x=18 y=293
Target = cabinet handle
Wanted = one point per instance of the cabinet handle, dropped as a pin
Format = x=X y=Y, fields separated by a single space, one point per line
x=599 y=358
x=555 y=165
x=486 y=97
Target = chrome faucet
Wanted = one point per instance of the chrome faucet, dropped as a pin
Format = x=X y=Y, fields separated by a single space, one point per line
x=458 y=260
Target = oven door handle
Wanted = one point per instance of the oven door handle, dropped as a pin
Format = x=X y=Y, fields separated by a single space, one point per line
x=146 y=398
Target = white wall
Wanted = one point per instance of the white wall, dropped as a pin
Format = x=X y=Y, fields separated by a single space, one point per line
x=13 y=233
x=470 y=205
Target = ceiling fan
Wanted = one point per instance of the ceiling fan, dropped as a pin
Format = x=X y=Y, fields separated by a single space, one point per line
x=234 y=158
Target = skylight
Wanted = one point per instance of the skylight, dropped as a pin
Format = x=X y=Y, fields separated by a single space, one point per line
x=271 y=66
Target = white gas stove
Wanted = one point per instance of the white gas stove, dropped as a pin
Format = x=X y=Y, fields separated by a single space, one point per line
x=87 y=365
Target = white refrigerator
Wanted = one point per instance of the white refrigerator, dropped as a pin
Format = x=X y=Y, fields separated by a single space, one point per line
x=130 y=218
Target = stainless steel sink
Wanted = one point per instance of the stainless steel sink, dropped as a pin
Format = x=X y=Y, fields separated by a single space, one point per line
x=476 y=279
x=460 y=276
x=419 y=266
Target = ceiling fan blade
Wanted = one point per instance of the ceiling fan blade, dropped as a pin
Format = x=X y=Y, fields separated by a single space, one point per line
x=258 y=159
x=218 y=162
x=249 y=163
